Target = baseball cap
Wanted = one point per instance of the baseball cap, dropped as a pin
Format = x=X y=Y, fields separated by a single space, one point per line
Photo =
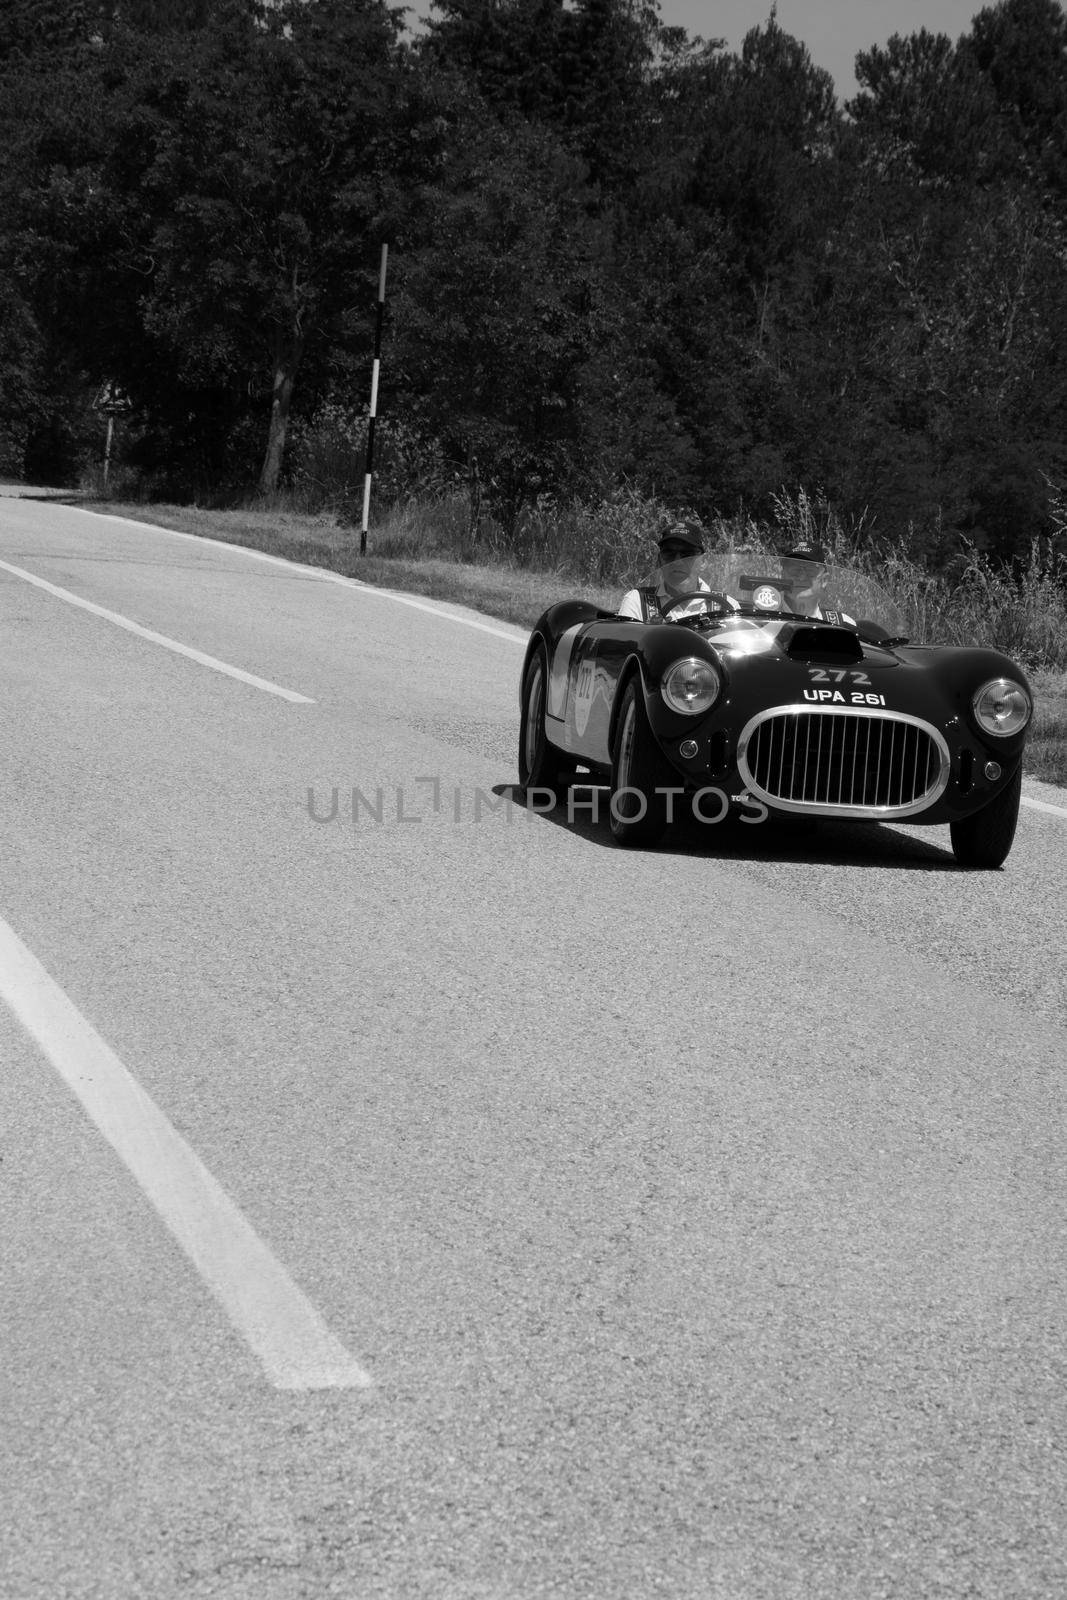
x=805 y=551
x=688 y=533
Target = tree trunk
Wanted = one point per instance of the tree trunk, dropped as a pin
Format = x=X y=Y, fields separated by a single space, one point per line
x=286 y=362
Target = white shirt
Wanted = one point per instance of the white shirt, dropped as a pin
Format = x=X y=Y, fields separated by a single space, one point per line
x=687 y=605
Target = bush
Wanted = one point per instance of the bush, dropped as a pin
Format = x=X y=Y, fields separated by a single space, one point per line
x=328 y=462
x=415 y=530
x=1046 y=753
x=607 y=541
x=1022 y=611
x=610 y=542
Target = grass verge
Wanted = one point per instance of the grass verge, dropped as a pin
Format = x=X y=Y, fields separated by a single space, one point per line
x=1046 y=748
x=509 y=592
x=506 y=591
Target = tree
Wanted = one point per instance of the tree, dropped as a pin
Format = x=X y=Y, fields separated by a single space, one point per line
x=738 y=187
x=497 y=307
x=767 y=135
x=583 y=70
x=924 y=109
x=43 y=396
x=269 y=168
x=205 y=219
x=47 y=29
x=22 y=391
x=1021 y=48
x=960 y=301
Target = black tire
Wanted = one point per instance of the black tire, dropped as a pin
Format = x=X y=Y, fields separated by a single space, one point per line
x=541 y=765
x=985 y=839
x=638 y=773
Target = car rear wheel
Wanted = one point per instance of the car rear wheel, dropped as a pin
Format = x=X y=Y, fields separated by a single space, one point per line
x=541 y=765
x=985 y=839
x=639 y=774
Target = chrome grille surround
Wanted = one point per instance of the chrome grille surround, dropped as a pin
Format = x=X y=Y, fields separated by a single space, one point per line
x=839 y=761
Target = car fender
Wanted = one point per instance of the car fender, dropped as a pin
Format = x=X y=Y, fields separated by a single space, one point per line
x=553 y=624
x=632 y=668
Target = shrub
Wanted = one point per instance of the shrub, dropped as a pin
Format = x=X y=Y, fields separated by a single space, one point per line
x=1046 y=753
x=1022 y=610
x=415 y=530
x=328 y=459
x=606 y=541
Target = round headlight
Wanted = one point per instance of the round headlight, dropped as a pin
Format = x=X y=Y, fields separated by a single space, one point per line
x=1002 y=707
x=691 y=686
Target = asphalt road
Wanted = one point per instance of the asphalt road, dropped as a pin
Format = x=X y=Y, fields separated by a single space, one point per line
x=443 y=1202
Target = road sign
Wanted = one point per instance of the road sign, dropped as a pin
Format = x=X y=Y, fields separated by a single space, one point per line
x=112 y=401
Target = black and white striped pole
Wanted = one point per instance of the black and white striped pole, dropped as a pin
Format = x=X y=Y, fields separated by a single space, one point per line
x=373 y=401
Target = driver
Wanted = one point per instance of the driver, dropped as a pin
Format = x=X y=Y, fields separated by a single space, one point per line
x=678 y=581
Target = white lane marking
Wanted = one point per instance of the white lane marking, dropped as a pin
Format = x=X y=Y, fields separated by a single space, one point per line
x=157 y=638
x=323 y=573
x=1043 y=805
x=263 y=1303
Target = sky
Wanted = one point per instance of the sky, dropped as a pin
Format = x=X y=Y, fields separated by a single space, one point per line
x=833 y=30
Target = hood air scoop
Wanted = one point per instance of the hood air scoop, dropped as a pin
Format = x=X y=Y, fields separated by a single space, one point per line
x=821 y=644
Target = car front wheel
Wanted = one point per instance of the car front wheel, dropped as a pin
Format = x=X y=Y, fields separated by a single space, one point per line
x=639 y=775
x=985 y=839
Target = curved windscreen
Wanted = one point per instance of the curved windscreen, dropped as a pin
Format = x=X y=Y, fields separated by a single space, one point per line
x=766 y=588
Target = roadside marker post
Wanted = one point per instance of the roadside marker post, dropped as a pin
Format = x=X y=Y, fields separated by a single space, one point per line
x=375 y=370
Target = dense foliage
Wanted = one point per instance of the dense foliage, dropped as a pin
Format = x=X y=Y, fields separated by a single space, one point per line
x=619 y=255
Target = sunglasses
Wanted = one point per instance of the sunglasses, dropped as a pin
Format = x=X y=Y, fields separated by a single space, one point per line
x=674 y=552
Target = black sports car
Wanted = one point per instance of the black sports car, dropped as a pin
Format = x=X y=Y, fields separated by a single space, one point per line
x=728 y=700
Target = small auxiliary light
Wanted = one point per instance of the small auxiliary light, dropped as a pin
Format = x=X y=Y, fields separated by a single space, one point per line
x=993 y=770
x=689 y=748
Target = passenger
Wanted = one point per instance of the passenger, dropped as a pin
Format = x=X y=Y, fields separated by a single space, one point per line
x=804 y=578
x=681 y=544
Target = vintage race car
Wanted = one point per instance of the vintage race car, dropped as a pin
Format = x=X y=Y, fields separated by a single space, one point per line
x=733 y=701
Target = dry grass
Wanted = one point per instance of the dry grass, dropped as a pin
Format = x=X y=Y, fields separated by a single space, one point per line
x=1046 y=749
x=397 y=560
x=415 y=550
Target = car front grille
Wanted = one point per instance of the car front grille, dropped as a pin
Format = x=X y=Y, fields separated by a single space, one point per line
x=842 y=763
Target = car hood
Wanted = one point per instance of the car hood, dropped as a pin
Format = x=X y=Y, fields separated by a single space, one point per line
x=740 y=638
